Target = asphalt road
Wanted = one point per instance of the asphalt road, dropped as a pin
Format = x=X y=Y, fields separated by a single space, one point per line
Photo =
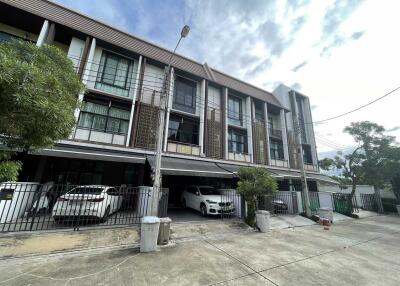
x=354 y=252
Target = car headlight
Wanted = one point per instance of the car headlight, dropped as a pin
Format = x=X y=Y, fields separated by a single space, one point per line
x=211 y=202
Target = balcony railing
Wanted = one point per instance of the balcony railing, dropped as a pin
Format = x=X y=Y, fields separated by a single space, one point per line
x=276 y=133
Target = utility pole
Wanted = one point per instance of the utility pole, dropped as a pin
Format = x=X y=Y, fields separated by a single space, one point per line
x=300 y=157
x=164 y=99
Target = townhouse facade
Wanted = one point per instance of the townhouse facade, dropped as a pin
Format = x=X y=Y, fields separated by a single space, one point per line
x=214 y=124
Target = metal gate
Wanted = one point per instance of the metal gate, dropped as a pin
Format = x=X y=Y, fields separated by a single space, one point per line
x=369 y=202
x=344 y=203
x=31 y=206
x=232 y=204
x=279 y=203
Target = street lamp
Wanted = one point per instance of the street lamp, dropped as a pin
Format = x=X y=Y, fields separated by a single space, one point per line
x=163 y=105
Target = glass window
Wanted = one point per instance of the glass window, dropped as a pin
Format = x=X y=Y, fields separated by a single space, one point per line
x=276 y=150
x=185 y=95
x=235 y=113
x=115 y=71
x=104 y=118
x=237 y=141
x=183 y=129
x=270 y=123
x=259 y=111
x=307 y=154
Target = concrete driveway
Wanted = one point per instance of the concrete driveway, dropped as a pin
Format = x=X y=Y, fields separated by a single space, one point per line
x=354 y=252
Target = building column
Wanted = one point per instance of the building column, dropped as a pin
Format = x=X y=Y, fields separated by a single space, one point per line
x=249 y=128
x=135 y=95
x=86 y=74
x=43 y=34
x=267 y=133
x=225 y=121
x=51 y=34
x=203 y=104
x=170 y=95
x=310 y=132
x=284 y=136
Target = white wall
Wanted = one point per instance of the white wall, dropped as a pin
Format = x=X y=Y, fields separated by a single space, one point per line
x=75 y=52
x=153 y=80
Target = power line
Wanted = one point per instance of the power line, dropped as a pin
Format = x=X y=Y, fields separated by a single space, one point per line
x=358 y=108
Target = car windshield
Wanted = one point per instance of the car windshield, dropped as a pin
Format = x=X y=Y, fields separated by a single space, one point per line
x=86 y=191
x=208 y=191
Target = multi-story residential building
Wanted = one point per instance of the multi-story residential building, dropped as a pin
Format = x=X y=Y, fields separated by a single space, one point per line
x=215 y=123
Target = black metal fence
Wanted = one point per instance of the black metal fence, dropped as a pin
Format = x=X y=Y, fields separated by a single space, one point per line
x=279 y=203
x=369 y=202
x=30 y=206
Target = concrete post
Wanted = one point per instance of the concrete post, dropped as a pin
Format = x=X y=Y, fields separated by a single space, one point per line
x=43 y=34
x=284 y=136
x=86 y=74
x=169 y=106
x=51 y=34
x=249 y=128
x=135 y=95
x=267 y=133
x=202 y=117
x=225 y=128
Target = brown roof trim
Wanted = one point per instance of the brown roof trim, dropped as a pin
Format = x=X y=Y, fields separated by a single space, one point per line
x=75 y=20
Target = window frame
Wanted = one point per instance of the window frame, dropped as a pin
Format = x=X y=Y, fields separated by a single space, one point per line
x=183 y=106
x=232 y=142
x=276 y=151
x=107 y=119
x=233 y=120
x=107 y=54
x=179 y=130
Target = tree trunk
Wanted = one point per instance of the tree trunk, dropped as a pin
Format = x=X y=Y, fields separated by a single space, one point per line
x=353 y=188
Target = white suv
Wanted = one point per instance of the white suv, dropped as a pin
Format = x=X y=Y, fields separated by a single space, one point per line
x=207 y=200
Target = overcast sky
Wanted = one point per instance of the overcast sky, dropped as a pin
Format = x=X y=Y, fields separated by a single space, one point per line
x=340 y=53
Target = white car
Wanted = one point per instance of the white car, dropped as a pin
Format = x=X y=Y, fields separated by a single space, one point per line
x=87 y=202
x=207 y=200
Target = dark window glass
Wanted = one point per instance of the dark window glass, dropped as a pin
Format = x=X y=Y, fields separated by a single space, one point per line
x=208 y=191
x=270 y=123
x=276 y=150
x=307 y=154
x=259 y=111
x=301 y=120
x=185 y=95
x=86 y=191
x=235 y=113
x=103 y=118
x=6 y=194
x=115 y=70
x=183 y=129
x=237 y=141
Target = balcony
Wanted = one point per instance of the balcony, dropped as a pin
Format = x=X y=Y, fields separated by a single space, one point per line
x=279 y=163
x=183 y=148
x=275 y=133
x=99 y=136
x=242 y=157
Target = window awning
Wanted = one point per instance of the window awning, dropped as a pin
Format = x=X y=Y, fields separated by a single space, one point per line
x=188 y=167
x=88 y=153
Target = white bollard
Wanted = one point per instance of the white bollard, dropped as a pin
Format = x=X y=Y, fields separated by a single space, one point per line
x=149 y=233
x=263 y=220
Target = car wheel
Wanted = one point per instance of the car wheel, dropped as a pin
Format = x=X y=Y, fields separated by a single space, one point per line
x=203 y=210
x=106 y=214
x=184 y=203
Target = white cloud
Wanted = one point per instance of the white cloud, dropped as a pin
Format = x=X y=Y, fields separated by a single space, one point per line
x=340 y=53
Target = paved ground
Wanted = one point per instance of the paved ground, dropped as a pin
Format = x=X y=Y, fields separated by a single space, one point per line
x=354 y=252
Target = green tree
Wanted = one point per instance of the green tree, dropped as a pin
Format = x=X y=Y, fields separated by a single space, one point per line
x=254 y=181
x=375 y=161
x=38 y=95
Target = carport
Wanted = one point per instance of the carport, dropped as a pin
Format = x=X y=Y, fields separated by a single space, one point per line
x=177 y=173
